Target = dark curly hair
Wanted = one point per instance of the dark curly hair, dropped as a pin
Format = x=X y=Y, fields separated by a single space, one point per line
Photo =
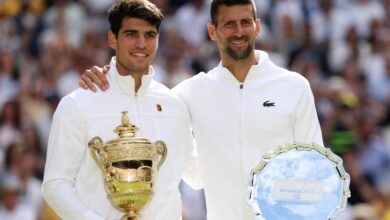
x=141 y=9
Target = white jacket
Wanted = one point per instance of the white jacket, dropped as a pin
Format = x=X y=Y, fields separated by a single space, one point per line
x=234 y=124
x=73 y=184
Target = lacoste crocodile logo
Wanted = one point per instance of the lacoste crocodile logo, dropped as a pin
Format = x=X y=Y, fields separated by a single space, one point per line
x=268 y=103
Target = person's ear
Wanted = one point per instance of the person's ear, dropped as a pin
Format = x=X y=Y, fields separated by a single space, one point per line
x=258 y=27
x=111 y=40
x=212 y=31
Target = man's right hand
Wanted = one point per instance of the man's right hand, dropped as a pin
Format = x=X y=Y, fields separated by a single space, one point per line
x=96 y=76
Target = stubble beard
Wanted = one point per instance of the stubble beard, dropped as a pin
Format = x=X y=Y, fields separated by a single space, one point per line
x=239 y=55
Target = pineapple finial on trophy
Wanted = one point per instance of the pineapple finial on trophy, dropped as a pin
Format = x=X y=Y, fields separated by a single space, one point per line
x=125 y=119
x=126 y=129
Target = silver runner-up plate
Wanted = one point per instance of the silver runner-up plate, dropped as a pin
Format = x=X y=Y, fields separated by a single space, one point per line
x=299 y=182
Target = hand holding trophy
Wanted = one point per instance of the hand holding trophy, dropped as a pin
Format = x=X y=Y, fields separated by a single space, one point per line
x=129 y=165
x=299 y=182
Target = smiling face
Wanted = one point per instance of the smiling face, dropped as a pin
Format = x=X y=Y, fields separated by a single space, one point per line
x=235 y=31
x=135 y=45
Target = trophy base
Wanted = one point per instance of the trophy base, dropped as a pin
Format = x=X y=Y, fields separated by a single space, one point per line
x=130 y=216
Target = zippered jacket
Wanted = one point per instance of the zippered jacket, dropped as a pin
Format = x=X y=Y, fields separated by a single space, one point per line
x=235 y=123
x=73 y=184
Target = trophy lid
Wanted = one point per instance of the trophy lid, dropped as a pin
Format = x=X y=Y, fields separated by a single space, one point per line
x=127 y=132
x=128 y=146
x=126 y=129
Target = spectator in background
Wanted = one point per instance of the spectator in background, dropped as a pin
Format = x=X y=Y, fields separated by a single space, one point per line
x=10 y=207
x=329 y=21
x=363 y=13
x=174 y=71
x=36 y=109
x=287 y=23
x=195 y=13
x=369 y=145
x=21 y=161
x=96 y=11
x=66 y=19
x=328 y=24
x=171 y=67
x=33 y=142
x=9 y=76
x=10 y=127
x=376 y=68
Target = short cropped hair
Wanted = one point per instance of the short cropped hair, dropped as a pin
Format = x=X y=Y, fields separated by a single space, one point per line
x=142 y=9
x=215 y=4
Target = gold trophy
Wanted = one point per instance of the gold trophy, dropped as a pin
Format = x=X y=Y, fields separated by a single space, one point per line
x=129 y=165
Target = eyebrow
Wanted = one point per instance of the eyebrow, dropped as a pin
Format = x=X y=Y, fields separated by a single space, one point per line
x=130 y=31
x=137 y=31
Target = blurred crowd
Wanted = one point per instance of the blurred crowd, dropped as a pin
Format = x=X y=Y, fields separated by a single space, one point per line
x=341 y=46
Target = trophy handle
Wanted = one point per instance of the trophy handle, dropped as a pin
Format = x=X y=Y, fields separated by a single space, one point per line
x=95 y=145
x=161 y=148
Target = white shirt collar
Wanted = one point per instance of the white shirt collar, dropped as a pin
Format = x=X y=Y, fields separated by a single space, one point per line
x=221 y=73
x=126 y=84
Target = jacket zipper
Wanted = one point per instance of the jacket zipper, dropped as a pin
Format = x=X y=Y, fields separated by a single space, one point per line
x=240 y=138
x=137 y=112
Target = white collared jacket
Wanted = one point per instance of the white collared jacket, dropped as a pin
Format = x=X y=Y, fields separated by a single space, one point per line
x=73 y=184
x=235 y=123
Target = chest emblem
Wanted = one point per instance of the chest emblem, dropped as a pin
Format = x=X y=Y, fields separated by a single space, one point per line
x=268 y=103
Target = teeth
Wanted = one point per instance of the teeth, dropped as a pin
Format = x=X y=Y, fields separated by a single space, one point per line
x=238 y=41
x=139 y=54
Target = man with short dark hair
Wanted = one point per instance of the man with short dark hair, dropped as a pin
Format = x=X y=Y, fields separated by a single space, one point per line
x=242 y=108
x=73 y=184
